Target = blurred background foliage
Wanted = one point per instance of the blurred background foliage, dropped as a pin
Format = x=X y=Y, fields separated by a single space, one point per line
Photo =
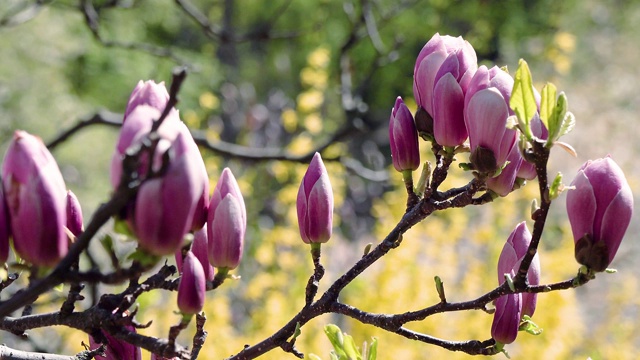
x=289 y=74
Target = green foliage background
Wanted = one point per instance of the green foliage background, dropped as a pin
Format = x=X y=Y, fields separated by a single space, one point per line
x=285 y=93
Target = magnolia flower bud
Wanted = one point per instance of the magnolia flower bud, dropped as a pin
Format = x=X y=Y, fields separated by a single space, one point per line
x=74 y=214
x=315 y=203
x=192 y=288
x=147 y=93
x=514 y=250
x=503 y=183
x=506 y=319
x=226 y=223
x=117 y=349
x=35 y=197
x=510 y=308
x=441 y=76
x=599 y=209
x=489 y=139
x=199 y=248
x=403 y=138
x=5 y=228
x=138 y=125
x=165 y=205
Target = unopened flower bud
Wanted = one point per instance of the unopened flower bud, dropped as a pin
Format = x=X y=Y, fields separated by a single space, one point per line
x=315 y=203
x=403 y=138
x=165 y=205
x=226 y=223
x=506 y=319
x=192 y=288
x=503 y=183
x=74 y=214
x=489 y=139
x=148 y=93
x=442 y=73
x=199 y=248
x=599 y=209
x=117 y=349
x=510 y=308
x=35 y=197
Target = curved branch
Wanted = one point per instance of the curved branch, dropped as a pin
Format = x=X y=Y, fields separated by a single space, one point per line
x=7 y=353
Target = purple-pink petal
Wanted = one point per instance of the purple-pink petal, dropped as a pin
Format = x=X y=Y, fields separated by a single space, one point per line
x=226 y=234
x=581 y=206
x=192 y=287
x=448 y=118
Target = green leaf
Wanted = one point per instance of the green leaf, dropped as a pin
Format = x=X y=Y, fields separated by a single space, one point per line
x=568 y=119
x=350 y=348
x=373 y=350
x=547 y=105
x=523 y=102
x=334 y=334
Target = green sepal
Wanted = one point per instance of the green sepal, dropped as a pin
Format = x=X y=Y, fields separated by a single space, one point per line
x=144 y=258
x=500 y=348
x=296 y=332
x=440 y=288
x=556 y=187
x=509 y=280
x=529 y=326
x=465 y=166
x=121 y=226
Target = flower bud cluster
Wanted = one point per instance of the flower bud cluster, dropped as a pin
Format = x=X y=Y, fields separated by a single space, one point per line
x=35 y=207
x=457 y=100
x=174 y=198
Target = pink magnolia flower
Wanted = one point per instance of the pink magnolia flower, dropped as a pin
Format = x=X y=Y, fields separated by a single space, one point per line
x=403 y=138
x=35 y=196
x=227 y=223
x=599 y=209
x=441 y=76
x=315 y=203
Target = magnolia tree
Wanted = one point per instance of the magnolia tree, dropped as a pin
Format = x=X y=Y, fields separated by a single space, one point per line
x=497 y=127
